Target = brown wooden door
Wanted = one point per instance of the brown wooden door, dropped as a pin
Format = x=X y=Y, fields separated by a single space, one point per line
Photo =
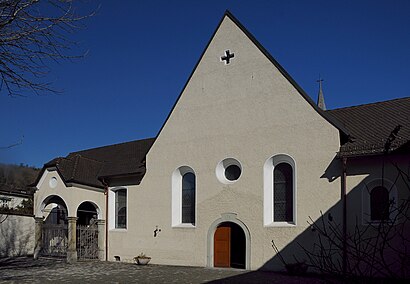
x=222 y=247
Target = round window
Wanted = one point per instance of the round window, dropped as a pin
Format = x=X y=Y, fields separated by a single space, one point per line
x=228 y=171
x=232 y=172
x=53 y=182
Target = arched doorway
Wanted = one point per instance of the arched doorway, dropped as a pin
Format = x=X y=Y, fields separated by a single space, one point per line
x=87 y=231
x=229 y=218
x=86 y=213
x=229 y=246
x=54 y=232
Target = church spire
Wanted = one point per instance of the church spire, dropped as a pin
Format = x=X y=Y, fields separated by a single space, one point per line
x=320 y=97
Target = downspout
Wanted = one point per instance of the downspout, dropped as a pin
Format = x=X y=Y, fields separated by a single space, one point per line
x=106 y=217
x=344 y=201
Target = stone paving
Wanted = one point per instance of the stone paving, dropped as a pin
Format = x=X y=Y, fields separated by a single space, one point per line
x=47 y=270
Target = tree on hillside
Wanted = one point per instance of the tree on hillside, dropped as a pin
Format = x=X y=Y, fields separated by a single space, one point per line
x=33 y=33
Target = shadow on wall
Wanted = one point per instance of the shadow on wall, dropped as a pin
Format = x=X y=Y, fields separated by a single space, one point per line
x=374 y=249
x=16 y=235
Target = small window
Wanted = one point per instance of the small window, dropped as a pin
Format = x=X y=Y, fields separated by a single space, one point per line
x=121 y=209
x=232 y=172
x=188 y=198
x=283 y=193
x=379 y=197
x=379 y=204
x=228 y=171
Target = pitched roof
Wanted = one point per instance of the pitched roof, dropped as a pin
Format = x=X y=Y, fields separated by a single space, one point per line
x=89 y=166
x=370 y=126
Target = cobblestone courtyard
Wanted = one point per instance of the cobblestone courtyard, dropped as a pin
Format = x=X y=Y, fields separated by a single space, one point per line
x=27 y=270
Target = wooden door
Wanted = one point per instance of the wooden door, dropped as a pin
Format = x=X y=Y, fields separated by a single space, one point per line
x=222 y=247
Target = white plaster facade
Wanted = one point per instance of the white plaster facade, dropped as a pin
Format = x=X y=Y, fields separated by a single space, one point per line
x=246 y=110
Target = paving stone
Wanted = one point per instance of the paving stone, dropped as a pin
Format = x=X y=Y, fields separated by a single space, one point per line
x=48 y=270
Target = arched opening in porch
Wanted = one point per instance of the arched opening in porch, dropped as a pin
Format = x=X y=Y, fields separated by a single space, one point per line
x=53 y=231
x=87 y=213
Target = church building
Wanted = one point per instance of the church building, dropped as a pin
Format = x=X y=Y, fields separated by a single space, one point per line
x=245 y=157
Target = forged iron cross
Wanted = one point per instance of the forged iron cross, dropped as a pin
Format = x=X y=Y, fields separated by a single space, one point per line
x=227 y=57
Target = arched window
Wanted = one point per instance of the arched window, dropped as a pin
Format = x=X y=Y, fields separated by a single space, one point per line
x=283 y=193
x=279 y=191
x=379 y=201
x=121 y=208
x=188 y=198
x=379 y=204
x=183 y=197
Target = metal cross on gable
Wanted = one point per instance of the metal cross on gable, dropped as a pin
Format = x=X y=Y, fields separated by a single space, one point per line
x=227 y=57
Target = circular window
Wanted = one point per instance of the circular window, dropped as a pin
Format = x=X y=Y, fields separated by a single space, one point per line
x=232 y=172
x=53 y=182
x=228 y=170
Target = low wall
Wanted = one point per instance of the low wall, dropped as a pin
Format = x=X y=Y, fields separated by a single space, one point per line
x=16 y=235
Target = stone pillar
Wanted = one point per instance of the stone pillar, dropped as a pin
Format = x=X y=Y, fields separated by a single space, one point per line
x=72 y=240
x=38 y=236
x=101 y=239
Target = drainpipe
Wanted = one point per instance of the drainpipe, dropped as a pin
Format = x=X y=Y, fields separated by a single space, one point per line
x=344 y=200
x=106 y=217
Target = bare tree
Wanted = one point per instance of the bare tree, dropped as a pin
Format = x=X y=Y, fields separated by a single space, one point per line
x=33 y=33
x=372 y=249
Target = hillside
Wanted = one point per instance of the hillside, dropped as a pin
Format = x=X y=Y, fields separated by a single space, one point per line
x=15 y=178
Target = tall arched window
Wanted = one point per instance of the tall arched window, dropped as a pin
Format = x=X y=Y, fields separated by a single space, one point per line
x=279 y=191
x=183 y=197
x=379 y=204
x=121 y=208
x=283 y=193
x=188 y=198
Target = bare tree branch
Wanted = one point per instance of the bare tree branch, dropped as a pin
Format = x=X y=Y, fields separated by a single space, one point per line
x=13 y=145
x=34 y=33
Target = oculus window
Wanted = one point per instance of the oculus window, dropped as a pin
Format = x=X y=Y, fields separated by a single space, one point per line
x=228 y=170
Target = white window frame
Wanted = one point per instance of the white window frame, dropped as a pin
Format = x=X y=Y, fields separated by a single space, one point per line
x=111 y=208
x=268 y=190
x=368 y=187
x=176 y=197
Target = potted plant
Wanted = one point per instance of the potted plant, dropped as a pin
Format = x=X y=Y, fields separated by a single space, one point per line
x=142 y=259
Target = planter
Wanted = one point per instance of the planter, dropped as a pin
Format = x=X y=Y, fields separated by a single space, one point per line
x=142 y=261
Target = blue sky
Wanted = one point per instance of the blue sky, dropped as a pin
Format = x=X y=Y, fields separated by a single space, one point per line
x=142 y=52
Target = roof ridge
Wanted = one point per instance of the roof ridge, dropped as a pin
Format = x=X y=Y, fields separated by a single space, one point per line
x=116 y=144
x=368 y=104
x=90 y=159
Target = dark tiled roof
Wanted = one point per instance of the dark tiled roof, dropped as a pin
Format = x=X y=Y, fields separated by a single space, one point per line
x=371 y=124
x=87 y=167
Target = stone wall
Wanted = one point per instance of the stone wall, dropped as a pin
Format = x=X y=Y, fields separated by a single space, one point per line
x=16 y=235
